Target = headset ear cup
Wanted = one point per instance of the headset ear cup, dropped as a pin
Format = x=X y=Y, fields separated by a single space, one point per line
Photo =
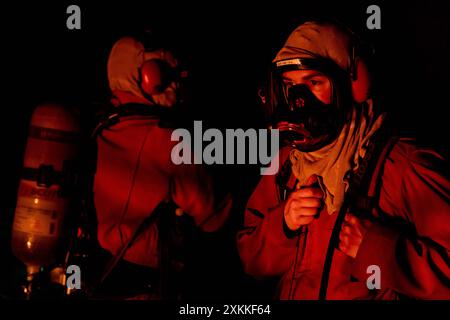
x=151 y=77
x=361 y=86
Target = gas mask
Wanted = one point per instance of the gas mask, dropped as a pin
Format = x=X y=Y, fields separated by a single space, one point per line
x=304 y=121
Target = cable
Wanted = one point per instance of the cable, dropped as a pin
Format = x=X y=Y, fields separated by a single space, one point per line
x=133 y=182
x=302 y=230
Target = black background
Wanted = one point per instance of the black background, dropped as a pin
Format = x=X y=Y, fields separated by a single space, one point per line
x=228 y=46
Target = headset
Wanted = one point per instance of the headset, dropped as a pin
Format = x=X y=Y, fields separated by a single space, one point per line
x=155 y=75
x=361 y=81
x=361 y=52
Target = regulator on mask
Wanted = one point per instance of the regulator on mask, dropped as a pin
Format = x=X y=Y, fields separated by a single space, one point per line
x=304 y=121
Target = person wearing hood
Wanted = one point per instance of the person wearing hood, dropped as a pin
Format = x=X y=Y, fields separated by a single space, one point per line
x=135 y=173
x=310 y=227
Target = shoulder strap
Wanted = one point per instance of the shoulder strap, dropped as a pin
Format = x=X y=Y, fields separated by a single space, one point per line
x=116 y=114
x=358 y=199
x=365 y=199
x=375 y=183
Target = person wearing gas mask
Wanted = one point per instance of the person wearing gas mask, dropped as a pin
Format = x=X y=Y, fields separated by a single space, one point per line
x=354 y=212
x=135 y=176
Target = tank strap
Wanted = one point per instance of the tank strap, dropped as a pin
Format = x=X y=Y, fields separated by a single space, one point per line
x=46 y=176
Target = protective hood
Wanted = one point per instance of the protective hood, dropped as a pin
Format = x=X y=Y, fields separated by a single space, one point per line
x=125 y=59
x=313 y=39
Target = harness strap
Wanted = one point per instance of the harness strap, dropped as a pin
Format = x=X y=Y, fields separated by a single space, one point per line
x=360 y=198
x=115 y=114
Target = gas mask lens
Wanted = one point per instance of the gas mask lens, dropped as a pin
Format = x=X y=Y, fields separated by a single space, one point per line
x=305 y=121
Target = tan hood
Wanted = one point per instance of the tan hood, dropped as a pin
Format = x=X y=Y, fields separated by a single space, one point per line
x=125 y=59
x=326 y=40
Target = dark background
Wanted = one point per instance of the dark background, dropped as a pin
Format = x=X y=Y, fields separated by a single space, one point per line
x=228 y=48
